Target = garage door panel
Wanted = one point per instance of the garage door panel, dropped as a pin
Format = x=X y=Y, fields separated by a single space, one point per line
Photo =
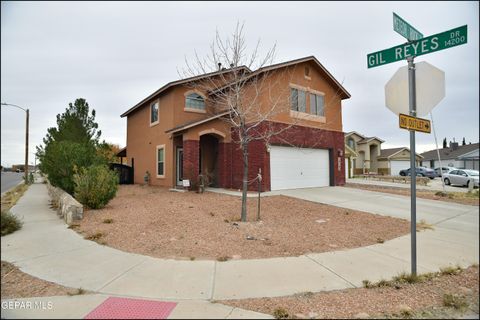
x=292 y=168
x=397 y=165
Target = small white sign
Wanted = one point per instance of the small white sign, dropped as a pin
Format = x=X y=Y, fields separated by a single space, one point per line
x=186 y=183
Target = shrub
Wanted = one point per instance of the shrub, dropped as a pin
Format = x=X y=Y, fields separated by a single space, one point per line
x=95 y=186
x=61 y=159
x=455 y=301
x=280 y=313
x=9 y=223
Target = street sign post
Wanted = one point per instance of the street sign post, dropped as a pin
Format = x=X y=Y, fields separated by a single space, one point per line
x=405 y=29
x=439 y=41
x=414 y=123
x=408 y=51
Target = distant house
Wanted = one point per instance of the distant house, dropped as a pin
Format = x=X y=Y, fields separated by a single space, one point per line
x=462 y=157
x=364 y=155
x=391 y=161
x=361 y=155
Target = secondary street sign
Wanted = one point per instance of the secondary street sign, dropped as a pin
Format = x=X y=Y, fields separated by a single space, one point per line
x=405 y=29
x=413 y=123
x=439 y=41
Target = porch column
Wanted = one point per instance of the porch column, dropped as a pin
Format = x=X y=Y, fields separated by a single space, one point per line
x=191 y=154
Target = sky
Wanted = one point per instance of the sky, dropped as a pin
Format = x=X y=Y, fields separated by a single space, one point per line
x=114 y=54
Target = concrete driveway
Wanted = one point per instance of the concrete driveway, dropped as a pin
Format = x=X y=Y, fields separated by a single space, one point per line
x=450 y=215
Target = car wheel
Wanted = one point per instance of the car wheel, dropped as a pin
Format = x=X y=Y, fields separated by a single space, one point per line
x=447 y=181
x=431 y=178
x=468 y=183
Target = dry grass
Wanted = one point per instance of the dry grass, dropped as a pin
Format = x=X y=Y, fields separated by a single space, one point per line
x=439 y=295
x=154 y=221
x=423 y=225
x=11 y=197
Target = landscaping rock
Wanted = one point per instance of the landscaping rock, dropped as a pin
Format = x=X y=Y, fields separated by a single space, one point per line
x=404 y=309
x=361 y=315
x=300 y=316
x=312 y=315
x=250 y=238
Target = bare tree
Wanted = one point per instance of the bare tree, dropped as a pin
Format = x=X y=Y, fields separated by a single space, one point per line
x=246 y=97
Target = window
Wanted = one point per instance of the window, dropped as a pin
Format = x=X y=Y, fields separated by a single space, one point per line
x=351 y=143
x=154 y=113
x=161 y=161
x=307 y=72
x=317 y=104
x=298 y=100
x=195 y=101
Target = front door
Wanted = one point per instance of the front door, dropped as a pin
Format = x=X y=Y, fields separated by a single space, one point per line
x=179 y=166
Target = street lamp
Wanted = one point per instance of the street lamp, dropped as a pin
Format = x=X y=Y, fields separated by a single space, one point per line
x=26 y=135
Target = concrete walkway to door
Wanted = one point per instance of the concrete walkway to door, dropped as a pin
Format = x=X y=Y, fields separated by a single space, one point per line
x=47 y=249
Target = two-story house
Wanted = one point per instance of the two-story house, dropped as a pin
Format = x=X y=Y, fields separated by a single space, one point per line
x=177 y=133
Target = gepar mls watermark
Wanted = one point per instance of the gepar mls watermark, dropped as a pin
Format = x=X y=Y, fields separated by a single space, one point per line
x=35 y=305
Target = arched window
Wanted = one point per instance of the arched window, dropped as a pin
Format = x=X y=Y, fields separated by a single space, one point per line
x=195 y=101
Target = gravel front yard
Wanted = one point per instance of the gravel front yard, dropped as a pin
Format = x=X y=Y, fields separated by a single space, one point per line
x=419 y=300
x=157 y=222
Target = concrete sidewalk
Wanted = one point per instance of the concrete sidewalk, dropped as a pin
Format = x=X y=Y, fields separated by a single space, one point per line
x=47 y=249
x=77 y=307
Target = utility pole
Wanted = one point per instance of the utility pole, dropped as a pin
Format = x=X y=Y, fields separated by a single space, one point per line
x=26 y=135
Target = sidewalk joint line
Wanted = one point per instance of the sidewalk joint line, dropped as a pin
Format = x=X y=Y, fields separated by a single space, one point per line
x=123 y=273
x=450 y=218
x=231 y=311
x=213 y=279
x=315 y=261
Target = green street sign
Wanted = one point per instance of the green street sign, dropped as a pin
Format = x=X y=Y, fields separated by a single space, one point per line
x=405 y=29
x=439 y=41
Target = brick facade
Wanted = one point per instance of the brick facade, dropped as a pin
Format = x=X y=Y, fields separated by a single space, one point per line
x=191 y=156
x=230 y=163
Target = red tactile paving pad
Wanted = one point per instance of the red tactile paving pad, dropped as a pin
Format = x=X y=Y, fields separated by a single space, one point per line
x=125 y=308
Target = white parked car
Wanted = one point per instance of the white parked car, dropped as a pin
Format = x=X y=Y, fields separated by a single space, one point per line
x=445 y=169
x=462 y=177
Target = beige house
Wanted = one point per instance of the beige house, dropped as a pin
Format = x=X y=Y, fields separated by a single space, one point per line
x=363 y=154
x=391 y=161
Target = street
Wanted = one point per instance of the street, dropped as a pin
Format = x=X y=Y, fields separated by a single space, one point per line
x=10 y=180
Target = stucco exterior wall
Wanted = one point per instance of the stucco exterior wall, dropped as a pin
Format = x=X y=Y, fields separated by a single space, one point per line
x=308 y=130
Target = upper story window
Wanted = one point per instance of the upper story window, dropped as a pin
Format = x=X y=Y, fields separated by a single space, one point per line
x=154 y=113
x=351 y=143
x=317 y=104
x=298 y=100
x=195 y=101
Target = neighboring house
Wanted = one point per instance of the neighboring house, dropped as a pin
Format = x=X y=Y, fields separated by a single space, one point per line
x=391 y=161
x=461 y=157
x=175 y=135
x=366 y=151
x=364 y=155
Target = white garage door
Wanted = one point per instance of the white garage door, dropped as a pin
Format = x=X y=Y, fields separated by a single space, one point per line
x=397 y=165
x=292 y=168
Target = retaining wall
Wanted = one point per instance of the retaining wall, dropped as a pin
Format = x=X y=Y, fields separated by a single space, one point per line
x=68 y=208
